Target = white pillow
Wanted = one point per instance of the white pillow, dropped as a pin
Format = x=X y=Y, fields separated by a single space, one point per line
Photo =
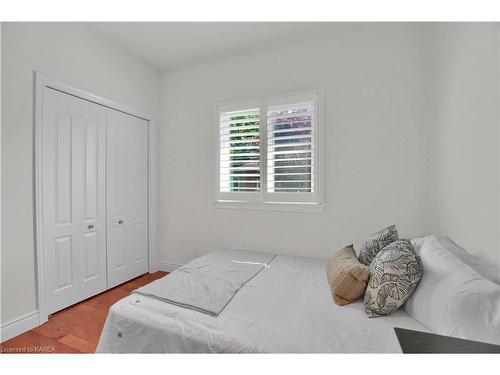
x=417 y=242
x=480 y=266
x=452 y=299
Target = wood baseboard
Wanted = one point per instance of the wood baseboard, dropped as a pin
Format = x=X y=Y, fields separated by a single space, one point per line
x=18 y=326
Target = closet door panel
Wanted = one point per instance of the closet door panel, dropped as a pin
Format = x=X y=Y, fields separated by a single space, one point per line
x=117 y=258
x=73 y=193
x=91 y=256
x=62 y=166
x=127 y=197
x=91 y=169
x=136 y=241
x=63 y=262
x=93 y=201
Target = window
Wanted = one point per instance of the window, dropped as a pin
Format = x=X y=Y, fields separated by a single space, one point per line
x=269 y=152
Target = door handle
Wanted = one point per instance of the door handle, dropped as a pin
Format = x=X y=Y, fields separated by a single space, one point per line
x=90 y=226
x=120 y=221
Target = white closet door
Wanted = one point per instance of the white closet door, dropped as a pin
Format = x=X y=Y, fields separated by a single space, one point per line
x=73 y=190
x=127 y=150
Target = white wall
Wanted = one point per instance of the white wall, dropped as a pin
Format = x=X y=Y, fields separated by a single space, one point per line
x=373 y=76
x=72 y=53
x=464 y=138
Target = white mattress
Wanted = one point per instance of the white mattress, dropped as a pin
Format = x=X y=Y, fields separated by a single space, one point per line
x=287 y=308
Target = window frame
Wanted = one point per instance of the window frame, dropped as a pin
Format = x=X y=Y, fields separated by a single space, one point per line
x=280 y=201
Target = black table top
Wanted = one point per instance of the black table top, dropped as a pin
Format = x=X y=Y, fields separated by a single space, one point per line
x=422 y=342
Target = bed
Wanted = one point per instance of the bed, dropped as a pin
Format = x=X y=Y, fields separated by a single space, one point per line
x=286 y=307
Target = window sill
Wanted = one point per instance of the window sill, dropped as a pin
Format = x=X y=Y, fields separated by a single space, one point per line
x=271 y=206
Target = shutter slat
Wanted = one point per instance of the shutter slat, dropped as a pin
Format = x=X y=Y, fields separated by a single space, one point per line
x=233 y=135
x=278 y=164
x=243 y=168
x=294 y=126
x=229 y=174
x=289 y=152
x=241 y=142
x=297 y=144
x=241 y=148
x=288 y=159
x=236 y=189
x=232 y=177
x=229 y=123
x=301 y=180
x=291 y=190
x=245 y=183
x=239 y=113
x=226 y=131
x=291 y=182
x=295 y=174
x=248 y=154
x=307 y=114
x=288 y=137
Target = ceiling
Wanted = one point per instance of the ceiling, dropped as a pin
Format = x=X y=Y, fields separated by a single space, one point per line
x=170 y=45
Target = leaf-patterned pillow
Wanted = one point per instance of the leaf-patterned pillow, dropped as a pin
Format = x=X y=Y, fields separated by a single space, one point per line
x=376 y=243
x=394 y=274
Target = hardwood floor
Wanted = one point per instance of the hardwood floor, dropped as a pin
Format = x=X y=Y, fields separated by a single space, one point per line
x=77 y=328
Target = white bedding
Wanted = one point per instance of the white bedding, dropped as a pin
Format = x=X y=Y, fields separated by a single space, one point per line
x=286 y=308
x=207 y=284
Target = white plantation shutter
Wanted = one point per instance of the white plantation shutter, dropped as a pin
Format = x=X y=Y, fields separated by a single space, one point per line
x=269 y=150
x=239 y=150
x=291 y=147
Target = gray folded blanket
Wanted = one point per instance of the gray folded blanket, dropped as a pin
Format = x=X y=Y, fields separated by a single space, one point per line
x=209 y=283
